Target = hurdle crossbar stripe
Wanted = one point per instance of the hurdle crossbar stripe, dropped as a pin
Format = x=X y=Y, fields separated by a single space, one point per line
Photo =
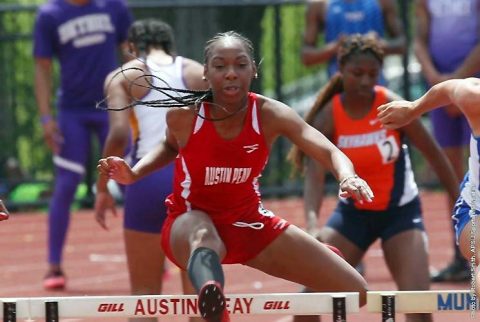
x=185 y=305
x=423 y=301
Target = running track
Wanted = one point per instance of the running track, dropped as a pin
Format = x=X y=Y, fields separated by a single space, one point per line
x=95 y=261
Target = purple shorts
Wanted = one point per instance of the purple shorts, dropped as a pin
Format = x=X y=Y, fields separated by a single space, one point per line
x=450 y=131
x=145 y=209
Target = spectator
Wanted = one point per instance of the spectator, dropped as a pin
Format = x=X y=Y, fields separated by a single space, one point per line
x=152 y=41
x=345 y=112
x=215 y=215
x=456 y=23
x=335 y=19
x=84 y=36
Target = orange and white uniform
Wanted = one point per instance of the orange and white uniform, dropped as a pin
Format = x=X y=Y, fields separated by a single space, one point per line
x=379 y=155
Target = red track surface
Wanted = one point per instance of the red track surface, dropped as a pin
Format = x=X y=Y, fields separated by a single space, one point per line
x=95 y=261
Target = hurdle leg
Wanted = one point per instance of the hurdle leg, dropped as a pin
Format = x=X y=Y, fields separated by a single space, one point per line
x=51 y=311
x=339 y=309
x=388 y=308
x=9 y=312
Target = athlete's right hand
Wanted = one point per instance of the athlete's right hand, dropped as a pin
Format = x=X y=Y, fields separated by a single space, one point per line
x=356 y=188
x=52 y=136
x=103 y=202
x=117 y=169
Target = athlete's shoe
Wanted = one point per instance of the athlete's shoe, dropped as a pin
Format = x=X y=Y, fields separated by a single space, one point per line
x=54 y=280
x=3 y=215
x=211 y=303
x=457 y=271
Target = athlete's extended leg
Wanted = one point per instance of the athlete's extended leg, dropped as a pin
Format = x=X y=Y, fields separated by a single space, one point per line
x=201 y=253
x=351 y=253
x=322 y=270
x=469 y=243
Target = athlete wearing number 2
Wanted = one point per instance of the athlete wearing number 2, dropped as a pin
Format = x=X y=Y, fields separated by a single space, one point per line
x=345 y=112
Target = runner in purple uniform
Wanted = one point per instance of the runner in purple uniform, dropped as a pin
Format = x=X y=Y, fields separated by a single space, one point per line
x=84 y=36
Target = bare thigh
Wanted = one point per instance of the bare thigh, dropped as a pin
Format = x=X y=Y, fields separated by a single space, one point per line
x=191 y=230
x=466 y=238
x=298 y=257
x=352 y=253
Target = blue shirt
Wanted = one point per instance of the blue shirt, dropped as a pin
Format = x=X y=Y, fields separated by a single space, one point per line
x=350 y=17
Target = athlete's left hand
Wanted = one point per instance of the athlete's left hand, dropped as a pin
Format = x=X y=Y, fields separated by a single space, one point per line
x=357 y=188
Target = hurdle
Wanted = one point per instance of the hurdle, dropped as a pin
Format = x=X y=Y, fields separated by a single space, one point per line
x=388 y=303
x=52 y=308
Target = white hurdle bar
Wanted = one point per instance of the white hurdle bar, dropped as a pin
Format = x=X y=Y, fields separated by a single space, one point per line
x=53 y=308
x=437 y=301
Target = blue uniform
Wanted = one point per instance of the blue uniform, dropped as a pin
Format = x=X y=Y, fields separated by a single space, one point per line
x=469 y=190
x=352 y=17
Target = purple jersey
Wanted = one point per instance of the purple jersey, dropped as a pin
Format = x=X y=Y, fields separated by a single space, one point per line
x=85 y=39
x=452 y=22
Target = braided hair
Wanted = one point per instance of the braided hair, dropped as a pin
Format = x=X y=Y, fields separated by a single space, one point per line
x=154 y=33
x=141 y=34
x=233 y=35
x=349 y=47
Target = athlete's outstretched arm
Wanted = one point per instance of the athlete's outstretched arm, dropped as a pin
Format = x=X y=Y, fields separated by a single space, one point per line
x=283 y=120
x=464 y=93
x=117 y=169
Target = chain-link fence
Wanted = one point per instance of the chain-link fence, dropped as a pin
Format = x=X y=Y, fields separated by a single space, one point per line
x=274 y=26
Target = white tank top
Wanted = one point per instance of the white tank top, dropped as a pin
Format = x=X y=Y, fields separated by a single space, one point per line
x=148 y=123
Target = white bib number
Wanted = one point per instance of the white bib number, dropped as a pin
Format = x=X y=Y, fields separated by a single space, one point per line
x=389 y=149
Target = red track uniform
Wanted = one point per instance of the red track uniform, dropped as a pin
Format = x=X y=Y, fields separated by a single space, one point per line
x=220 y=178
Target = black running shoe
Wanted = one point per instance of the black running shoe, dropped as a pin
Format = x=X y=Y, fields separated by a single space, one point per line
x=457 y=271
x=211 y=303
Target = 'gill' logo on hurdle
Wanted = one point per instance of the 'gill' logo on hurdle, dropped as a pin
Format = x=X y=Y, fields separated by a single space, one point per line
x=276 y=305
x=455 y=302
x=111 y=307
